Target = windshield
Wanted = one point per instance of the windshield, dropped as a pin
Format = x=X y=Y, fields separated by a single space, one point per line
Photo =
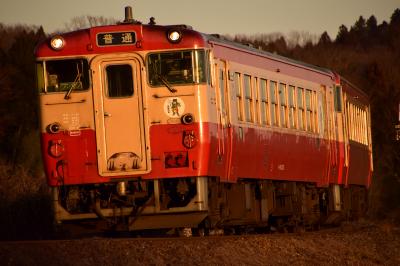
x=183 y=67
x=63 y=75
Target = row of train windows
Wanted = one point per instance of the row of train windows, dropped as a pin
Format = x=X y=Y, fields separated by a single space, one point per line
x=357 y=123
x=268 y=102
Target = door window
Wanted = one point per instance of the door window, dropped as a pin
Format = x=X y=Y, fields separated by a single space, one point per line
x=222 y=90
x=119 y=81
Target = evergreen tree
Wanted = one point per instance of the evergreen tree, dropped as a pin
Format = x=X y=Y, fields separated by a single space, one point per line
x=342 y=35
x=395 y=18
x=324 y=39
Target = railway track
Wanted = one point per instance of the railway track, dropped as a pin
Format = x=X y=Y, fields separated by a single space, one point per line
x=356 y=243
x=78 y=233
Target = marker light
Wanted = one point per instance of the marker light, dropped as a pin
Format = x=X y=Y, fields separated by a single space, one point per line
x=189 y=139
x=57 y=42
x=176 y=159
x=174 y=36
x=56 y=148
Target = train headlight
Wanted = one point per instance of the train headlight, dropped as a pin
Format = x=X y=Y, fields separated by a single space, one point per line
x=187 y=119
x=56 y=148
x=53 y=128
x=57 y=42
x=174 y=36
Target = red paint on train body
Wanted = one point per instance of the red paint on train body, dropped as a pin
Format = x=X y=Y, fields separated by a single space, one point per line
x=77 y=163
x=259 y=154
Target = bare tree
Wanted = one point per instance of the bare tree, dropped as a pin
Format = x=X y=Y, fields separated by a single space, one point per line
x=301 y=38
x=83 y=22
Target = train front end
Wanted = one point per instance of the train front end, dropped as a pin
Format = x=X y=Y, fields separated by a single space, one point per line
x=123 y=124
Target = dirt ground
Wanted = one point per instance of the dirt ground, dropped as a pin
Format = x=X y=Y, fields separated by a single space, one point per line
x=362 y=243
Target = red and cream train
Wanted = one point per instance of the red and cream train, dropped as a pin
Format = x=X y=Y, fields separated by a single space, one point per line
x=149 y=126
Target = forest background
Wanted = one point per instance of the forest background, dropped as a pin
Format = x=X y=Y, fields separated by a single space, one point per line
x=367 y=54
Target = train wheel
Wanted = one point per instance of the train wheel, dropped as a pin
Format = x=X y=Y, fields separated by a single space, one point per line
x=201 y=232
x=185 y=232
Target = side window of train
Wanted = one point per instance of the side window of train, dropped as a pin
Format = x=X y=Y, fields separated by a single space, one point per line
x=292 y=109
x=338 y=99
x=209 y=64
x=321 y=115
x=273 y=88
x=248 y=103
x=300 y=106
x=264 y=109
x=119 y=81
x=314 y=107
x=239 y=98
x=357 y=123
x=256 y=100
x=309 y=118
x=283 y=104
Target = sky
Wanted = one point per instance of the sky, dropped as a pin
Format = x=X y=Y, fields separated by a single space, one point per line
x=209 y=16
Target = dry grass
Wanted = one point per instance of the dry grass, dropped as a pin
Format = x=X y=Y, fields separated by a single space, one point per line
x=25 y=204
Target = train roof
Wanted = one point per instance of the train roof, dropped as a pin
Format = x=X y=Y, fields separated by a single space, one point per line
x=153 y=37
x=274 y=56
x=84 y=42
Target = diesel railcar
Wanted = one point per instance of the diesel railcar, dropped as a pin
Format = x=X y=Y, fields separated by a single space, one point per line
x=148 y=127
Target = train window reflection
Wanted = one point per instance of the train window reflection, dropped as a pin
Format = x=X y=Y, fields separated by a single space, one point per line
x=180 y=67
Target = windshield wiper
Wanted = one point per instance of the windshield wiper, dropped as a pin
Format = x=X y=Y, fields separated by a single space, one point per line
x=75 y=83
x=163 y=80
x=68 y=94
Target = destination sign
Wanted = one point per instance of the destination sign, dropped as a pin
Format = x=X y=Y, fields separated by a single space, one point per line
x=116 y=38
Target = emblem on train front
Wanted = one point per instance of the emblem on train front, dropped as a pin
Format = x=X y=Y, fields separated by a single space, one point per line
x=174 y=107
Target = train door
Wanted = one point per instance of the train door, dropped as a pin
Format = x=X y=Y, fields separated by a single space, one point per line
x=118 y=103
x=346 y=143
x=325 y=124
x=330 y=116
x=224 y=119
x=340 y=142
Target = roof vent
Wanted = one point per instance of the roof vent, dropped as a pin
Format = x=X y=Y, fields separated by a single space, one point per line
x=152 y=21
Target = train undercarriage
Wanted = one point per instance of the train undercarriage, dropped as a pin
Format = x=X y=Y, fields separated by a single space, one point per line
x=206 y=205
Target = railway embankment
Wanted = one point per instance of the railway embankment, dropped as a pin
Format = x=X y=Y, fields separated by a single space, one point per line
x=361 y=243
